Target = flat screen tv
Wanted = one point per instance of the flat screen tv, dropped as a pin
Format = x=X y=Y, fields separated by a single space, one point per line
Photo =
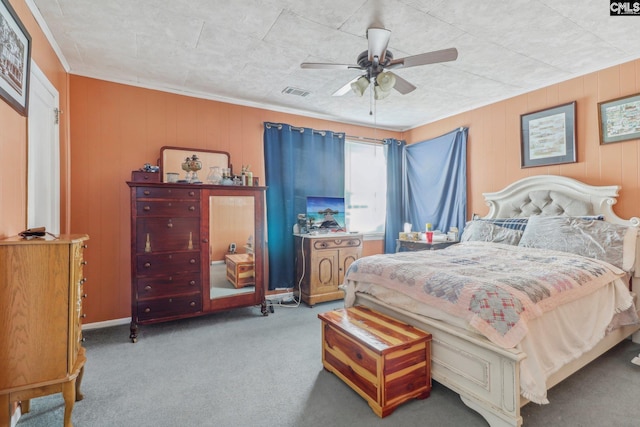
x=326 y=212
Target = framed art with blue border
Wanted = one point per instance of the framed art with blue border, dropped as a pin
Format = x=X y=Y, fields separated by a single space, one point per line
x=548 y=136
x=619 y=119
x=15 y=59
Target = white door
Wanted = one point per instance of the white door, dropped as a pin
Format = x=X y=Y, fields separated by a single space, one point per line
x=43 y=200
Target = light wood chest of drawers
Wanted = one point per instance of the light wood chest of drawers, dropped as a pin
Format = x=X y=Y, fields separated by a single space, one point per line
x=321 y=263
x=385 y=361
x=41 y=293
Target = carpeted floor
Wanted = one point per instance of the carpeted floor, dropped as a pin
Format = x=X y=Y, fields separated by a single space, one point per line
x=239 y=368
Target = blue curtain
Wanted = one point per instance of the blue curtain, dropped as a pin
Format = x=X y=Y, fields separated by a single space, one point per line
x=394 y=218
x=436 y=182
x=299 y=162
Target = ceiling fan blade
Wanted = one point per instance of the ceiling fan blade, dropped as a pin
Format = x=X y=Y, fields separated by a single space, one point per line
x=378 y=41
x=328 y=66
x=403 y=86
x=434 y=57
x=346 y=88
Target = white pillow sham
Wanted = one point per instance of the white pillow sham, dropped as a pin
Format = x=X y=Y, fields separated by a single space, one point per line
x=613 y=243
x=485 y=231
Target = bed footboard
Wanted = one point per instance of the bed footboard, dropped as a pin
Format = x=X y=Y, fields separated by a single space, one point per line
x=487 y=378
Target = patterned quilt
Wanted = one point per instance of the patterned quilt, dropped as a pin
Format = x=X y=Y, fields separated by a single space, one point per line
x=495 y=287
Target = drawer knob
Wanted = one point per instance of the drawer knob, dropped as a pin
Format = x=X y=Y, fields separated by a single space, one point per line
x=147 y=265
x=170 y=224
x=84 y=279
x=192 y=283
x=84 y=295
x=192 y=303
x=83 y=315
x=146 y=208
x=192 y=193
x=147 y=288
x=192 y=208
x=85 y=246
x=84 y=262
x=146 y=192
x=192 y=261
x=147 y=310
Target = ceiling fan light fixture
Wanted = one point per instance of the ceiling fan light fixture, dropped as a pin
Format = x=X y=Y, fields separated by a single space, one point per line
x=380 y=93
x=359 y=86
x=386 y=81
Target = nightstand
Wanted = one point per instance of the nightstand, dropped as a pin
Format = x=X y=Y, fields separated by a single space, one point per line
x=420 y=245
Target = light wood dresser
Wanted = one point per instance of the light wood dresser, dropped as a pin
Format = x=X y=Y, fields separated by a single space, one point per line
x=321 y=263
x=41 y=292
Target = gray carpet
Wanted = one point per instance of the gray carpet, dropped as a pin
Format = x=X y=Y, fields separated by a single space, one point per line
x=239 y=368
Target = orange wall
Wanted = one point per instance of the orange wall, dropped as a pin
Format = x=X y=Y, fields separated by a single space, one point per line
x=117 y=128
x=13 y=134
x=493 y=147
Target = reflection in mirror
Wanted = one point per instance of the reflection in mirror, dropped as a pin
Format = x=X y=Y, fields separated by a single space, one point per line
x=172 y=159
x=231 y=228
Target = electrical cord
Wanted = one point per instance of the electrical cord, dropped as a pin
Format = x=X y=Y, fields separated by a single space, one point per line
x=296 y=301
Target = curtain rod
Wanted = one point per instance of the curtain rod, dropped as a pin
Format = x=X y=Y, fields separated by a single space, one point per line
x=322 y=132
x=366 y=139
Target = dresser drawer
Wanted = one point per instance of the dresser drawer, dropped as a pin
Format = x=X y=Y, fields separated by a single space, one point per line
x=167 y=193
x=168 y=234
x=170 y=306
x=175 y=284
x=336 y=243
x=142 y=176
x=163 y=264
x=168 y=208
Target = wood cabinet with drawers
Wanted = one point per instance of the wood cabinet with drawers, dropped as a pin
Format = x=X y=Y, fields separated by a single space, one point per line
x=41 y=291
x=321 y=263
x=174 y=243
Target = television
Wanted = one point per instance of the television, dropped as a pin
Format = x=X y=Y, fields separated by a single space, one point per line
x=326 y=212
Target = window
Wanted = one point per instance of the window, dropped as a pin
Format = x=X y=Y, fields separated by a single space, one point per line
x=365 y=187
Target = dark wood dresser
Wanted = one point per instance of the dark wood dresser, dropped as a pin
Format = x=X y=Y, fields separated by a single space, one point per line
x=180 y=233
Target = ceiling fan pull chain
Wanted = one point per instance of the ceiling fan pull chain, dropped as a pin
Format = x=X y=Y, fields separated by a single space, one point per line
x=371 y=100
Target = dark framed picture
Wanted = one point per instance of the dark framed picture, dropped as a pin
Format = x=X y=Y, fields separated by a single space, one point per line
x=619 y=119
x=15 y=59
x=548 y=137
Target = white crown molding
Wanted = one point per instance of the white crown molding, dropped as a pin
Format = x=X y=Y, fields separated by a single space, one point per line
x=47 y=33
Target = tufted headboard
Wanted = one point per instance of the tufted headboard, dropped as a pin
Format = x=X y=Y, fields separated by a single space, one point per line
x=558 y=195
x=554 y=195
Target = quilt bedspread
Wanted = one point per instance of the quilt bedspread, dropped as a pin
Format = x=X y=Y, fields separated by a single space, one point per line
x=495 y=287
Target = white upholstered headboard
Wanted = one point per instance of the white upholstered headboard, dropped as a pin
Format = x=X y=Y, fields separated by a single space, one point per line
x=555 y=195
x=558 y=195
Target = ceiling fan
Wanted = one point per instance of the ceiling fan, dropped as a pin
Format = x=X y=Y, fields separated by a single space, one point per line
x=377 y=60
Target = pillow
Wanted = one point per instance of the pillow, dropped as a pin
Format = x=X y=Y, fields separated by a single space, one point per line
x=590 y=237
x=485 y=231
x=511 y=223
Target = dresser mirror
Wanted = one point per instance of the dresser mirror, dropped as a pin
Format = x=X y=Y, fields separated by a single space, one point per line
x=172 y=158
x=231 y=245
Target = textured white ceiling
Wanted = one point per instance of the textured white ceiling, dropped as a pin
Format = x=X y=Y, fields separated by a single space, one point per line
x=247 y=51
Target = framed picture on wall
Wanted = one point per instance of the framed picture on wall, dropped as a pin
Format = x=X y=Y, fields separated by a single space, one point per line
x=619 y=119
x=548 y=137
x=15 y=59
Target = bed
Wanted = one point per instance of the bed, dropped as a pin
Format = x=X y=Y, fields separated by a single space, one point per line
x=496 y=369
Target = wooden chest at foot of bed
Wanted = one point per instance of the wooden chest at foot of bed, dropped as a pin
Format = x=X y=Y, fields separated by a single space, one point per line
x=240 y=270
x=385 y=361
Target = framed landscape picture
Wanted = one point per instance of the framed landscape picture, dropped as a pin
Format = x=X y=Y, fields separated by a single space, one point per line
x=15 y=59
x=619 y=119
x=548 y=137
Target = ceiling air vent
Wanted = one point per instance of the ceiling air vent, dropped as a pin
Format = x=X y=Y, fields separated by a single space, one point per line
x=295 y=91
